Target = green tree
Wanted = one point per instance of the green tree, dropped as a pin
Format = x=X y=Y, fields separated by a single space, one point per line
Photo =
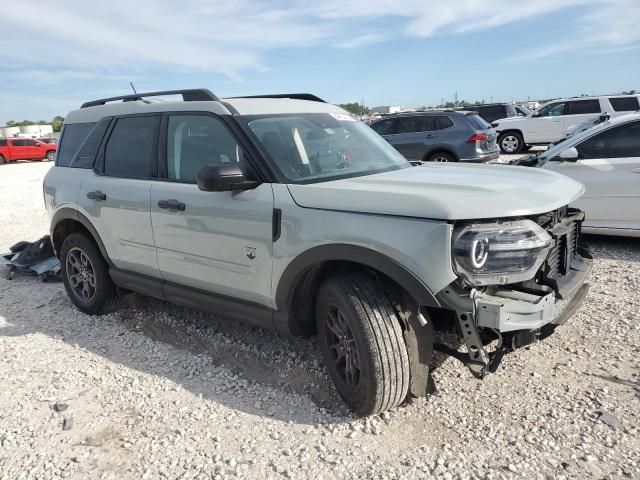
x=57 y=122
x=355 y=108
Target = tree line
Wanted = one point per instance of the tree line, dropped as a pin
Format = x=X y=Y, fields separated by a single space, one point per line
x=56 y=123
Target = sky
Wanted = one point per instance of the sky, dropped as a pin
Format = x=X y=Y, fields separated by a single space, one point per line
x=56 y=55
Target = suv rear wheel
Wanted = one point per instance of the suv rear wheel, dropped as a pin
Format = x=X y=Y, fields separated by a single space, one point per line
x=441 y=157
x=86 y=275
x=1 y=160
x=511 y=142
x=362 y=343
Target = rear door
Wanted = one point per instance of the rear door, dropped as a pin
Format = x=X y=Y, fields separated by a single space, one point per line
x=415 y=135
x=609 y=168
x=116 y=195
x=578 y=111
x=220 y=242
x=547 y=124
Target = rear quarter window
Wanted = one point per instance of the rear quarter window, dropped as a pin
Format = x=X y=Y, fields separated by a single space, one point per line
x=625 y=104
x=73 y=136
x=477 y=122
x=444 y=122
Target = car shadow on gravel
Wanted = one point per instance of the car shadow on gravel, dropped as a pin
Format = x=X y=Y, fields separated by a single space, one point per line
x=614 y=248
x=242 y=367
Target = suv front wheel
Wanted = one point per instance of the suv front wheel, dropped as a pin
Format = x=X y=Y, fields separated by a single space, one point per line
x=511 y=142
x=86 y=275
x=362 y=343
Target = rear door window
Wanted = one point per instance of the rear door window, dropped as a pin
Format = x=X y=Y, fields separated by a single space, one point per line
x=410 y=124
x=429 y=124
x=3 y=143
x=131 y=146
x=73 y=135
x=580 y=107
x=625 y=104
x=444 y=122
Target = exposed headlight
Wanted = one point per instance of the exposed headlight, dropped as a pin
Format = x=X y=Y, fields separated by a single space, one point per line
x=499 y=253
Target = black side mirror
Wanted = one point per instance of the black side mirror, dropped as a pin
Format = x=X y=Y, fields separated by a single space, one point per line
x=223 y=178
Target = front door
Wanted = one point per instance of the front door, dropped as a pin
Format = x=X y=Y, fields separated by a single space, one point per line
x=547 y=124
x=23 y=149
x=220 y=242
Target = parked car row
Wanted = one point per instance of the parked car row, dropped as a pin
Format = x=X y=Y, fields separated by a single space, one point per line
x=284 y=211
x=12 y=149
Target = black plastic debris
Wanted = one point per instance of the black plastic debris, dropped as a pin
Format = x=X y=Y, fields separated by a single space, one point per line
x=32 y=258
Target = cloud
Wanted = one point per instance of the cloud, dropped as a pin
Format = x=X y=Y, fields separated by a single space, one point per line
x=58 y=43
x=611 y=27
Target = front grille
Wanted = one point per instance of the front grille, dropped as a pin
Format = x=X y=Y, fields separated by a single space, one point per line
x=565 y=232
x=563 y=253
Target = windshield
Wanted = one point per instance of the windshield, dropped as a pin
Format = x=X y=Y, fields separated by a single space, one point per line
x=313 y=147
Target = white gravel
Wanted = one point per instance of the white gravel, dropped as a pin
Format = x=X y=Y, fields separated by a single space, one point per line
x=159 y=391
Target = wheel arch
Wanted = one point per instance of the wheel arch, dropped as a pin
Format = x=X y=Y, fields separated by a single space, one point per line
x=68 y=220
x=510 y=130
x=440 y=149
x=297 y=287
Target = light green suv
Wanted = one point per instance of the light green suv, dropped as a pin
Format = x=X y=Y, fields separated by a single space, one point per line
x=283 y=211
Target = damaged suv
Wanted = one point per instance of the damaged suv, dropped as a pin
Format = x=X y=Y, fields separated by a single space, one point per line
x=283 y=211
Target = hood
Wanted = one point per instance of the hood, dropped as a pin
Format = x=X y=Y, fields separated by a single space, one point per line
x=446 y=192
x=506 y=120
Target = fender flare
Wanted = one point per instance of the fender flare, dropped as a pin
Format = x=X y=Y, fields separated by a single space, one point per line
x=72 y=214
x=441 y=148
x=355 y=254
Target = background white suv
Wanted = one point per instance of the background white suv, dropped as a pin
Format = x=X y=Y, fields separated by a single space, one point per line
x=552 y=121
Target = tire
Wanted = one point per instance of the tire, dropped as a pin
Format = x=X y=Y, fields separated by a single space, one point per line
x=511 y=142
x=358 y=328
x=441 y=157
x=51 y=156
x=79 y=256
x=2 y=161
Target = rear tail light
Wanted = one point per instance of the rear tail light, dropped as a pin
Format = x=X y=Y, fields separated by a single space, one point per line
x=478 y=137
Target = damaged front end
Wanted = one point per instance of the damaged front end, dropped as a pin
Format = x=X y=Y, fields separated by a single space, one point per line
x=540 y=285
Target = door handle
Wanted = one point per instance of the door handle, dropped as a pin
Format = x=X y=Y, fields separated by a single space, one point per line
x=635 y=170
x=171 y=204
x=97 y=196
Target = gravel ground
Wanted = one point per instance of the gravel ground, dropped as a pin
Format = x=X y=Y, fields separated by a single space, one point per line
x=159 y=391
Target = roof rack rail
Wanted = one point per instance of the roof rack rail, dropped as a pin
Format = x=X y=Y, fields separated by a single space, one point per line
x=293 y=96
x=190 y=95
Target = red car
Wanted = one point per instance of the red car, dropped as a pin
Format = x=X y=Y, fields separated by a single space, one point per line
x=25 y=149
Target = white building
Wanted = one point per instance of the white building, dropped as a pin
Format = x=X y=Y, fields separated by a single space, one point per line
x=389 y=109
x=27 y=131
